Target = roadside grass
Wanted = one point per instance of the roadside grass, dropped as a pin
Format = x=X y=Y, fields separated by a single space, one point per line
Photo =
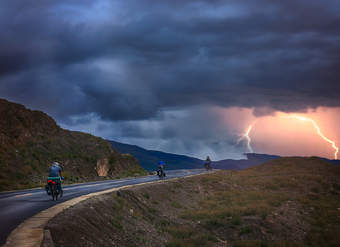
x=325 y=220
x=175 y=204
x=230 y=204
x=186 y=236
x=135 y=172
x=246 y=230
x=265 y=243
x=287 y=202
x=240 y=202
x=146 y=195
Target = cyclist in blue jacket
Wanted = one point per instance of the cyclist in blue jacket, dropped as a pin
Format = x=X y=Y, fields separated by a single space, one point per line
x=55 y=175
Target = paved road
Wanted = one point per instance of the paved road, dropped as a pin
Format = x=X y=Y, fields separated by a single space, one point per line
x=15 y=207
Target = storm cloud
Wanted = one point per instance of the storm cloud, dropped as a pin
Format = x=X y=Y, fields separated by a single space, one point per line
x=130 y=63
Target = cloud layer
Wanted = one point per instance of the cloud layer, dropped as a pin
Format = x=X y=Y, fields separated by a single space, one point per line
x=136 y=62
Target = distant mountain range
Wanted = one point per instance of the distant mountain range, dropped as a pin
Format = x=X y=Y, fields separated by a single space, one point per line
x=253 y=159
x=335 y=162
x=149 y=159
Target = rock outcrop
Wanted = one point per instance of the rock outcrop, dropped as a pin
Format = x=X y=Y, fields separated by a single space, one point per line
x=103 y=167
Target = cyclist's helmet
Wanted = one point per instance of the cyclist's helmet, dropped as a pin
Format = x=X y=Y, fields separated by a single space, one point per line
x=55 y=163
x=160 y=163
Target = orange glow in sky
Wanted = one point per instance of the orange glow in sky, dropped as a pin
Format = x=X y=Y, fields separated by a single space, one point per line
x=247 y=137
x=315 y=125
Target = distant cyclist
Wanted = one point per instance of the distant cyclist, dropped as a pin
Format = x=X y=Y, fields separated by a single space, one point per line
x=160 y=170
x=207 y=164
x=56 y=176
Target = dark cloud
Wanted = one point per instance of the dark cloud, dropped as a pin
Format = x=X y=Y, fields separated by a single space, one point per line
x=133 y=60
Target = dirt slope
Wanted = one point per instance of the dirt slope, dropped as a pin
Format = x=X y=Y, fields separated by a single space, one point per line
x=286 y=202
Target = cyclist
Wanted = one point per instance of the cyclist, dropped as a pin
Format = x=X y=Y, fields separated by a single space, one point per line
x=160 y=170
x=207 y=164
x=55 y=175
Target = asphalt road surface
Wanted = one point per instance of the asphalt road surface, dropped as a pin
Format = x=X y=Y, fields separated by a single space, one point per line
x=17 y=206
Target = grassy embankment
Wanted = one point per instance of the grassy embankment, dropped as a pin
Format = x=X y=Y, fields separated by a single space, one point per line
x=286 y=202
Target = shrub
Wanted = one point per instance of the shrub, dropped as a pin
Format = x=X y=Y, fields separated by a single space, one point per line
x=245 y=230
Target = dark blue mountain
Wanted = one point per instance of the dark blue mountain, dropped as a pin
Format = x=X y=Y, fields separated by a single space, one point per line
x=335 y=162
x=252 y=160
x=149 y=159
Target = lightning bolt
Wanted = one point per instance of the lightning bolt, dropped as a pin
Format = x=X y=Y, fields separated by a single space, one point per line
x=315 y=125
x=246 y=136
x=318 y=131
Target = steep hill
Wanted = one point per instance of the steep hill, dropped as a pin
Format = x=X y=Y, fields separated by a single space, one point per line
x=285 y=202
x=31 y=140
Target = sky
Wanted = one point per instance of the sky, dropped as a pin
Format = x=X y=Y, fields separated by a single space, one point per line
x=182 y=76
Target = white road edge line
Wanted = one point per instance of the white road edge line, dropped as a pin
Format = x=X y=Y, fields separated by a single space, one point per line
x=22 y=195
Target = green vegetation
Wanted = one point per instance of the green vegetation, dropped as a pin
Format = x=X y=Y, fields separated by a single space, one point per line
x=146 y=195
x=175 y=204
x=134 y=172
x=245 y=230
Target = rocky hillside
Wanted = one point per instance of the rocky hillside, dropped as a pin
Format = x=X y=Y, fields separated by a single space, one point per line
x=285 y=202
x=31 y=140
